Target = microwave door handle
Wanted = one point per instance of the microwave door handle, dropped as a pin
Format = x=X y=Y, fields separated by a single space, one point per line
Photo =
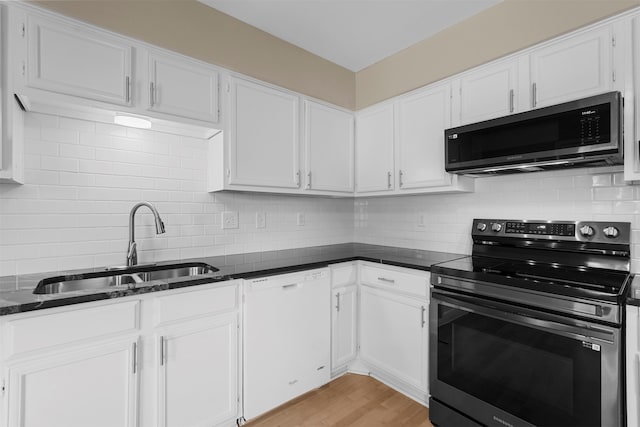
x=522 y=317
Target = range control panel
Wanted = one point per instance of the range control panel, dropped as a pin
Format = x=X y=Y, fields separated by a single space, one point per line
x=545 y=228
x=584 y=231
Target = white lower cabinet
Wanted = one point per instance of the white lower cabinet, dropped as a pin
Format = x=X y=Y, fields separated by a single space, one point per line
x=343 y=326
x=161 y=359
x=85 y=386
x=344 y=316
x=198 y=372
x=633 y=365
x=63 y=366
x=394 y=327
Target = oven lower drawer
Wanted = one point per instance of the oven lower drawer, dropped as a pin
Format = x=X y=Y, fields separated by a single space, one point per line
x=441 y=415
x=506 y=365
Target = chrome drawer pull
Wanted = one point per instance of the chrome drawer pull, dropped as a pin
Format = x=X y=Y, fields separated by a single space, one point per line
x=384 y=279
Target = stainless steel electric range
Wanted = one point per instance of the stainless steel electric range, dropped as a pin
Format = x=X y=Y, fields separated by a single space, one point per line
x=527 y=331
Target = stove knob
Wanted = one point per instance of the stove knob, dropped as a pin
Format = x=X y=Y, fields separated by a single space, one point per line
x=496 y=226
x=481 y=226
x=611 y=232
x=587 y=231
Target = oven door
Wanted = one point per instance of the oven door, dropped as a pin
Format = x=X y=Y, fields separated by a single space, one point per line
x=507 y=365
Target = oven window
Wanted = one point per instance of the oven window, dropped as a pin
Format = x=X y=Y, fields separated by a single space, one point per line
x=542 y=378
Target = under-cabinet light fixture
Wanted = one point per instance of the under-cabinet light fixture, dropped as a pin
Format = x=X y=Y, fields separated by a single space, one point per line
x=132 y=121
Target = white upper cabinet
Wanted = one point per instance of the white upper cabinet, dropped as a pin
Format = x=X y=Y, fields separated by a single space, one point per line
x=487 y=92
x=400 y=145
x=328 y=146
x=11 y=115
x=374 y=149
x=422 y=119
x=576 y=67
x=78 y=61
x=269 y=131
x=263 y=136
x=182 y=87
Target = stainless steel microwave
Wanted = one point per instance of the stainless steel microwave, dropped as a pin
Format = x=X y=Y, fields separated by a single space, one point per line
x=586 y=132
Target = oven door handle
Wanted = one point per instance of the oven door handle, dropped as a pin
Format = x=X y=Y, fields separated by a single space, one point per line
x=525 y=317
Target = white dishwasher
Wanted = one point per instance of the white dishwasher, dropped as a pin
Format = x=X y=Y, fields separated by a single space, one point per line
x=287 y=342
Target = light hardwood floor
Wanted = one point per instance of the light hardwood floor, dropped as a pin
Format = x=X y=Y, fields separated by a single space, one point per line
x=349 y=401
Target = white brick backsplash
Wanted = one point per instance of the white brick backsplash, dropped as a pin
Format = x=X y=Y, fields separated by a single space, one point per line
x=60 y=135
x=613 y=193
x=77 y=151
x=75 y=124
x=572 y=194
x=83 y=178
x=59 y=164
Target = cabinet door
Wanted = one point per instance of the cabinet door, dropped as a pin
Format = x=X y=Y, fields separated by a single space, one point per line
x=374 y=149
x=344 y=330
x=199 y=372
x=328 y=139
x=422 y=119
x=77 y=61
x=180 y=87
x=573 y=68
x=488 y=92
x=85 y=387
x=263 y=140
x=633 y=365
x=394 y=335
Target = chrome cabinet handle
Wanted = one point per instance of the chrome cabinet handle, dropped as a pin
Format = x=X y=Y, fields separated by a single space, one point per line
x=309 y=180
x=534 y=95
x=338 y=301
x=511 y=106
x=152 y=94
x=135 y=357
x=422 y=316
x=127 y=88
x=298 y=179
x=162 y=352
x=384 y=279
x=400 y=183
x=388 y=179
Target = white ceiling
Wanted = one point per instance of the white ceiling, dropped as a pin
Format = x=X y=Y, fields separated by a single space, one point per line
x=351 y=33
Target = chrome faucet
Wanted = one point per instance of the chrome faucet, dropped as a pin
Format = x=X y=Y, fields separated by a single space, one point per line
x=132 y=253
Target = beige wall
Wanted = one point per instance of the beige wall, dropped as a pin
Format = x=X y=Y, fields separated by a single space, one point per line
x=500 y=30
x=201 y=32
x=193 y=29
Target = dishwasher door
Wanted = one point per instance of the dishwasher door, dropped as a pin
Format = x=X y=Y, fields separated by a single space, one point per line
x=287 y=342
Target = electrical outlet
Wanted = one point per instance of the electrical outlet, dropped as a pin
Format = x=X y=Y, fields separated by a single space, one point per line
x=229 y=219
x=261 y=220
x=421 y=220
x=300 y=218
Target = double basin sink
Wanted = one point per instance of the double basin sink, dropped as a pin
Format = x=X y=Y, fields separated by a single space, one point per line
x=121 y=278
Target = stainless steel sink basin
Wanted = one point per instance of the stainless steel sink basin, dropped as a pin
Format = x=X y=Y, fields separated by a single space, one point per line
x=121 y=278
x=120 y=281
x=176 y=272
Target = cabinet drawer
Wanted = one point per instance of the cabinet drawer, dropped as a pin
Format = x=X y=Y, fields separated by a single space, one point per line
x=343 y=274
x=184 y=305
x=395 y=279
x=48 y=330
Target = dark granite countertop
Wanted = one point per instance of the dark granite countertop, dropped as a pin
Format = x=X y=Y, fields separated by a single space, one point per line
x=16 y=292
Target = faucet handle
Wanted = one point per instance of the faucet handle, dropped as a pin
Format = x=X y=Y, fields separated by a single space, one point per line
x=132 y=254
